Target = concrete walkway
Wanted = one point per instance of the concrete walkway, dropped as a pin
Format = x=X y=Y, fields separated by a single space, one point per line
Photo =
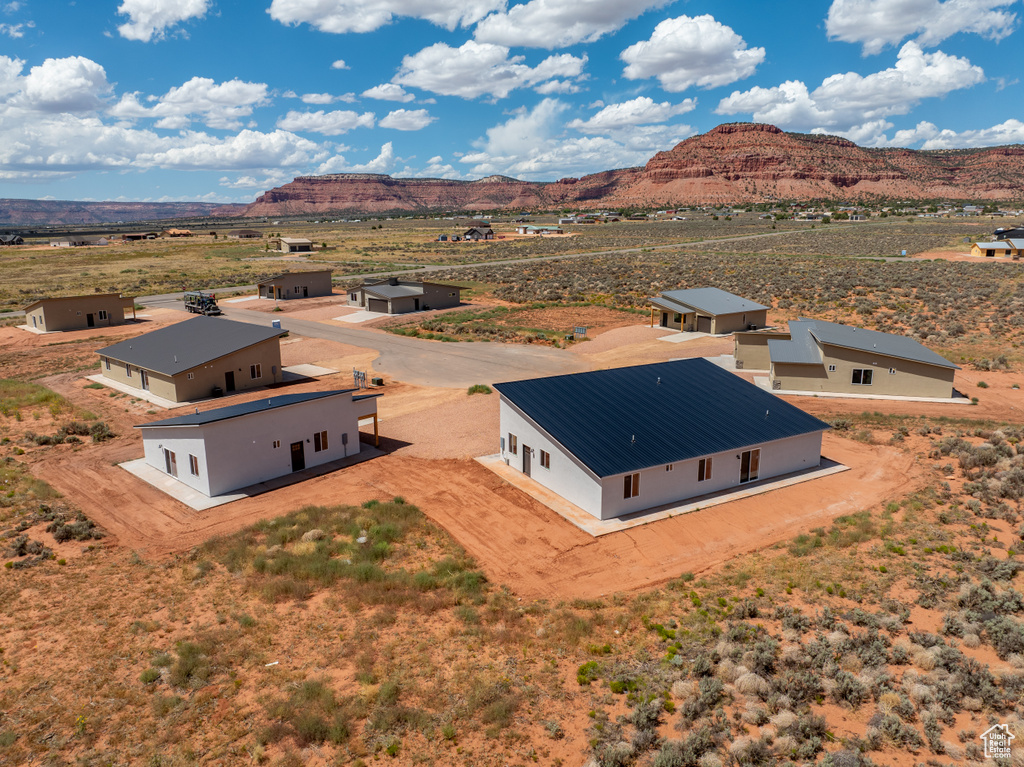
x=192 y=498
x=682 y=336
x=956 y=399
x=598 y=527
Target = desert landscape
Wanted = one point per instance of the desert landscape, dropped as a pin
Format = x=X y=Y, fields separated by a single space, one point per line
x=418 y=608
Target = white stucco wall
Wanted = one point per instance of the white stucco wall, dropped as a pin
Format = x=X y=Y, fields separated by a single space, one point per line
x=567 y=476
x=659 y=487
x=604 y=497
x=238 y=452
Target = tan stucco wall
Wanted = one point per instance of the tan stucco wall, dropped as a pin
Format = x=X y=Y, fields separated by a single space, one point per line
x=318 y=283
x=728 y=323
x=911 y=379
x=181 y=388
x=751 y=350
x=72 y=313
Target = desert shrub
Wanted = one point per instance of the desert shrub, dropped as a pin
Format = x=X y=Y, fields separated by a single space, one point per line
x=192 y=667
x=800 y=685
x=897 y=733
x=848 y=689
x=311 y=715
x=688 y=751
x=710 y=692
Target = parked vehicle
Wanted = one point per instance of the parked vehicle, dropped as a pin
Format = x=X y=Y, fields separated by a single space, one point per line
x=198 y=302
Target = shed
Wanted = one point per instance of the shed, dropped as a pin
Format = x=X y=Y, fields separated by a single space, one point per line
x=296 y=285
x=990 y=249
x=619 y=441
x=195 y=359
x=229 y=448
x=706 y=310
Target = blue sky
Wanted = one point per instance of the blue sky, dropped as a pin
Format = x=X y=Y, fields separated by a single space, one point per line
x=219 y=100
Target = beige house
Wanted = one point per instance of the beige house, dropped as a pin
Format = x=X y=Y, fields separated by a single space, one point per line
x=706 y=310
x=50 y=315
x=818 y=356
x=395 y=296
x=296 y=285
x=293 y=244
x=195 y=359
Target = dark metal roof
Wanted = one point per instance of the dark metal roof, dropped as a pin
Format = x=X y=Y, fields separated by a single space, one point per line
x=712 y=301
x=627 y=419
x=245 y=408
x=185 y=345
x=871 y=341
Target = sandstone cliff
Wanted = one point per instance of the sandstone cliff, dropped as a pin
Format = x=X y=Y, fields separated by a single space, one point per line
x=738 y=162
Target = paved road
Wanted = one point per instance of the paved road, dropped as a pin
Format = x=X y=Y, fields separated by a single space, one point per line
x=433 y=363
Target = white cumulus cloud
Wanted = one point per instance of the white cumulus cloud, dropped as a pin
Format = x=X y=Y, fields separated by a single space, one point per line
x=407 y=119
x=367 y=15
x=476 y=69
x=642 y=110
x=246 y=150
x=218 y=105
x=559 y=23
x=436 y=167
x=150 y=19
x=73 y=84
x=382 y=163
x=388 y=92
x=317 y=98
x=328 y=123
x=844 y=101
x=532 y=145
x=930 y=136
x=880 y=23
x=340 y=64
x=688 y=51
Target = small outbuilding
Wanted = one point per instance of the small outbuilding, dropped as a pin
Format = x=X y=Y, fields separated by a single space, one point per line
x=620 y=441
x=195 y=359
x=229 y=448
x=49 y=315
x=245 y=234
x=992 y=249
x=296 y=285
x=706 y=310
x=395 y=296
x=818 y=356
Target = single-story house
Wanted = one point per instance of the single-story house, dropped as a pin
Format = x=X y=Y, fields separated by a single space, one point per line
x=819 y=356
x=296 y=285
x=619 y=441
x=395 y=296
x=68 y=242
x=991 y=249
x=195 y=359
x=135 y=236
x=294 y=245
x=11 y=239
x=478 y=233
x=79 y=312
x=530 y=229
x=245 y=234
x=233 y=447
x=178 y=233
x=706 y=310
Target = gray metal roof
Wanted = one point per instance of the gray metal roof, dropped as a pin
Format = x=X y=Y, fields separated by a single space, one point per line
x=394 y=291
x=627 y=419
x=712 y=301
x=862 y=339
x=800 y=351
x=1004 y=245
x=176 y=348
x=244 y=408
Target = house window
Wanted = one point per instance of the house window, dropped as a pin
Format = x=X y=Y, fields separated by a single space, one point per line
x=128 y=371
x=191 y=376
x=106 y=361
x=677 y=318
x=193 y=465
x=319 y=441
x=668 y=467
x=750 y=465
x=545 y=459
x=631 y=485
x=353 y=296
x=513 y=444
x=892 y=371
x=277 y=443
x=451 y=295
x=703 y=469
x=297 y=289
x=862 y=376
x=831 y=368
x=102 y=314
x=256 y=371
